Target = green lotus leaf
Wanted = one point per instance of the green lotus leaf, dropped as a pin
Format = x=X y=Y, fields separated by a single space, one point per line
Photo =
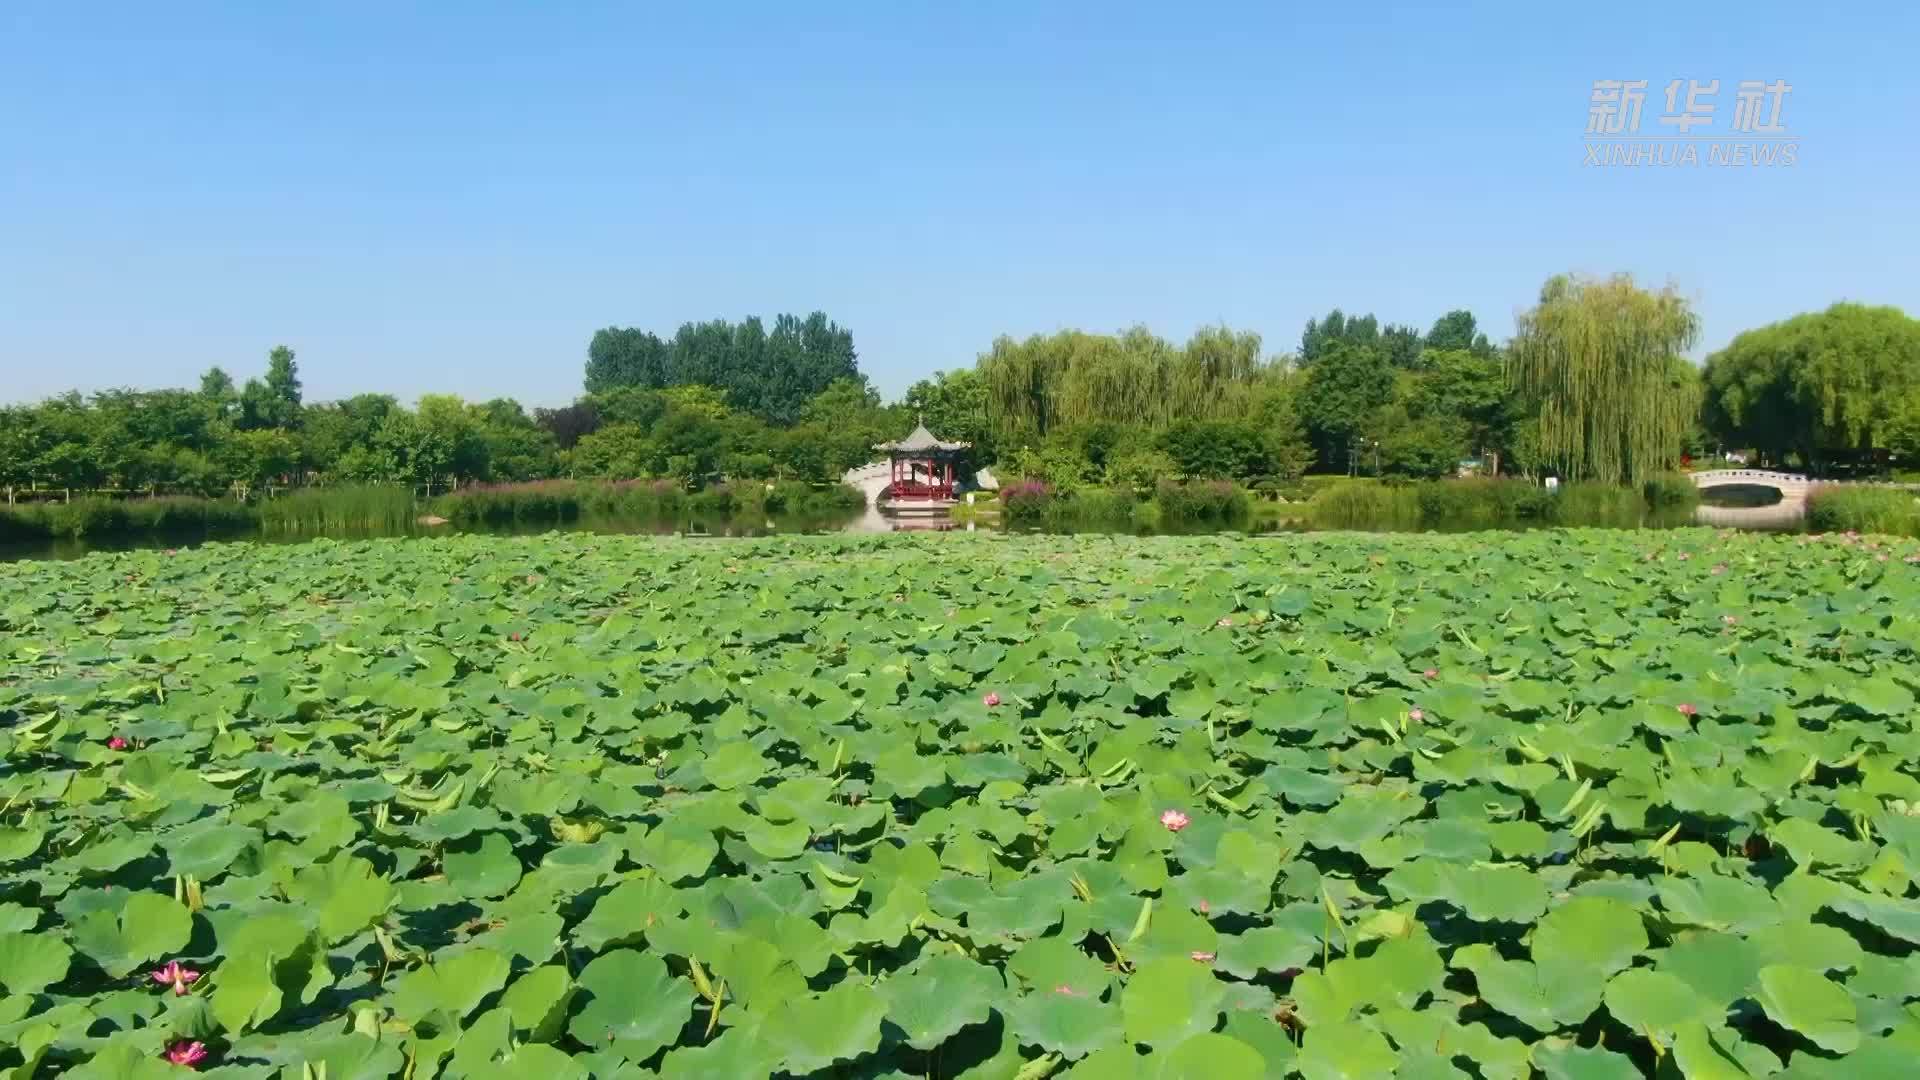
x=1065 y=1021
x=31 y=962
x=939 y=997
x=637 y=1006
x=1653 y=1001
x=1208 y=1056
x=1573 y=1062
x=1805 y=1001
x=148 y=927
x=538 y=1002
x=482 y=865
x=1166 y=1001
x=1345 y=1051
x=453 y=986
x=344 y=894
x=813 y=1031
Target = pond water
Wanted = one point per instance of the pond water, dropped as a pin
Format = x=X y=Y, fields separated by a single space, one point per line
x=1744 y=508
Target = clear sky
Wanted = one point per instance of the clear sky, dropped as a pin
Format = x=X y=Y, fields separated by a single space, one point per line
x=424 y=197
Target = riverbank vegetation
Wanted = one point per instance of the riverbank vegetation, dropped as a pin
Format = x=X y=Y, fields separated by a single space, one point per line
x=568 y=500
x=162 y=518
x=1864 y=509
x=1484 y=502
x=1170 y=504
x=1592 y=389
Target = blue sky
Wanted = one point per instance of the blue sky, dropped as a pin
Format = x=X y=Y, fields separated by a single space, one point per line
x=424 y=197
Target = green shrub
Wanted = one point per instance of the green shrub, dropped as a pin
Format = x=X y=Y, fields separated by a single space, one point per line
x=1481 y=501
x=1198 y=501
x=1671 y=489
x=1365 y=505
x=1027 y=501
x=175 y=516
x=1859 y=508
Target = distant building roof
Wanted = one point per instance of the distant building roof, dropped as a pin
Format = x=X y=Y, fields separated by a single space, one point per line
x=919 y=442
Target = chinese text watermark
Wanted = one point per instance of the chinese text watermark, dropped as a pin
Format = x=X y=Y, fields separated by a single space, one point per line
x=1755 y=134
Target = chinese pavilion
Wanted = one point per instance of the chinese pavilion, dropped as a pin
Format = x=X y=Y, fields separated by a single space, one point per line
x=922 y=467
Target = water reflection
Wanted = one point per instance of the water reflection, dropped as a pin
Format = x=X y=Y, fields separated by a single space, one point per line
x=1750 y=506
x=1729 y=507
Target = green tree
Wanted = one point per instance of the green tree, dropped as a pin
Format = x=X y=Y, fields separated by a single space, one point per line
x=1274 y=410
x=842 y=401
x=251 y=459
x=331 y=430
x=515 y=446
x=614 y=452
x=1402 y=346
x=1457 y=331
x=953 y=405
x=274 y=402
x=619 y=357
x=770 y=374
x=1344 y=389
x=1426 y=448
x=1216 y=449
x=217 y=389
x=1838 y=379
x=1471 y=388
x=1323 y=335
x=1603 y=360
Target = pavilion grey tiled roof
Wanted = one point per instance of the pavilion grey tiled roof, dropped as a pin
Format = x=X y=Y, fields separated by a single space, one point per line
x=920 y=441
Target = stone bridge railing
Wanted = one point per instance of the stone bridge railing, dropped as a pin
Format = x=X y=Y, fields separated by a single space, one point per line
x=1712 y=478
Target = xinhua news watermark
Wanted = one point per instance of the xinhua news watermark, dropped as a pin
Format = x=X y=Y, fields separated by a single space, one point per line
x=1755 y=137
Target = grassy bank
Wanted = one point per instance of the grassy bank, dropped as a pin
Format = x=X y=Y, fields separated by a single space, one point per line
x=1864 y=509
x=391 y=510
x=1493 y=503
x=96 y=518
x=1037 y=505
x=640 y=500
x=380 y=509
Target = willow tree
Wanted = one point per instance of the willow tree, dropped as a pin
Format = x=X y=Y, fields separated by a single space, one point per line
x=1021 y=379
x=1602 y=359
x=1120 y=379
x=1838 y=379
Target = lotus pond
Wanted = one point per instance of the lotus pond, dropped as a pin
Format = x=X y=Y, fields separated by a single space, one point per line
x=1579 y=805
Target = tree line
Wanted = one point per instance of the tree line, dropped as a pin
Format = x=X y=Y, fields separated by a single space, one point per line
x=1594 y=385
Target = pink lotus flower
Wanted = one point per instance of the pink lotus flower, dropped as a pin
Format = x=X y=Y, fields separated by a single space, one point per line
x=1064 y=990
x=1687 y=710
x=1200 y=957
x=116 y=743
x=1912 y=559
x=1205 y=907
x=1730 y=620
x=1224 y=621
x=1684 y=556
x=186 y=1053
x=1416 y=715
x=1720 y=568
x=990 y=700
x=1430 y=673
x=1174 y=820
x=177 y=977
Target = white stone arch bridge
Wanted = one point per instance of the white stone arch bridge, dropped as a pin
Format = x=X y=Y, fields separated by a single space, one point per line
x=1793 y=487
